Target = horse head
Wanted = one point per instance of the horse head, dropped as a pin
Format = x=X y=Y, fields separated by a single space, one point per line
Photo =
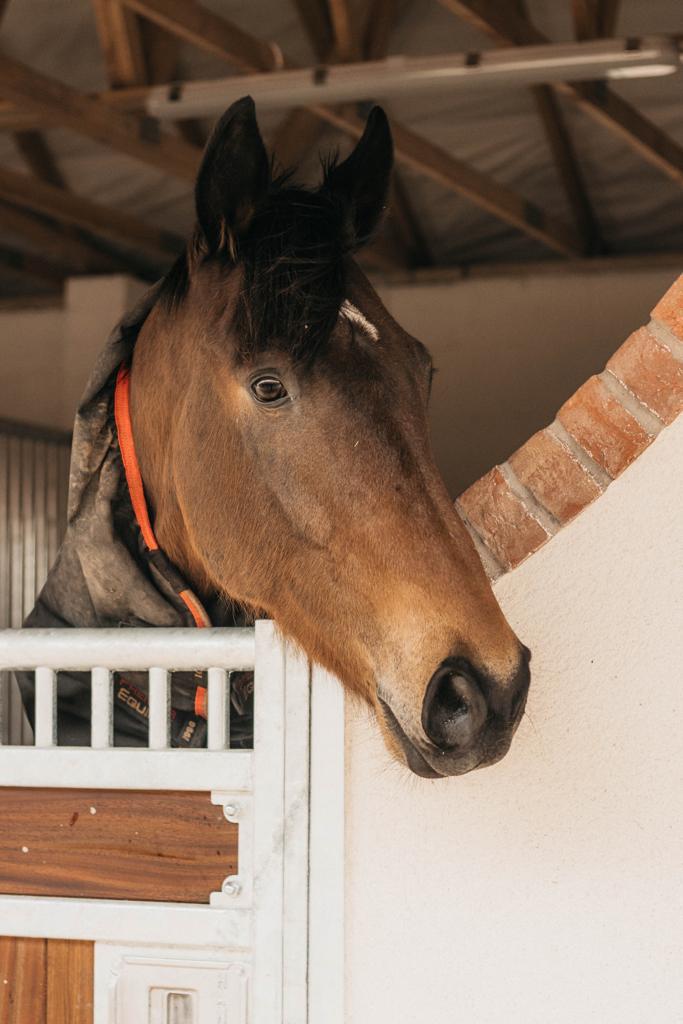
x=281 y=421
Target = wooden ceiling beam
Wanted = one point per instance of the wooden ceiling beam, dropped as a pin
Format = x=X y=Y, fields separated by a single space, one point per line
x=411 y=149
x=594 y=19
x=300 y=130
x=39 y=157
x=66 y=208
x=31 y=268
x=314 y=15
x=565 y=158
x=121 y=43
x=75 y=253
x=454 y=175
x=138 y=53
x=345 y=40
x=378 y=28
x=507 y=27
x=568 y=168
x=381 y=20
x=62 y=106
x=608 y=17
x=210 y=32
x=408 y=226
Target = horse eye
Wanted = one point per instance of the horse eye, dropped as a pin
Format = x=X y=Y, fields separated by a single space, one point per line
x=268 y=390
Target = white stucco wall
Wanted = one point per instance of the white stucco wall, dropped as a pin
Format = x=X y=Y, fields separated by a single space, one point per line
x=511 y=348
x=547 y=889
x=46 y=354
x=31 y=355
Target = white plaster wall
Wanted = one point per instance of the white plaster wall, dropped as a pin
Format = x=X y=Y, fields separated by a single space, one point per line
x=509 y=349
x=46 y=354
x=31 y=357
x=547 y=889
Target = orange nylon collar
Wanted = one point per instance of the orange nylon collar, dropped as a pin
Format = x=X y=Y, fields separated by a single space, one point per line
x=136 y=487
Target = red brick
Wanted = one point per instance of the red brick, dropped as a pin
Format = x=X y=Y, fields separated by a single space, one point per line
x=651 y=372
x=501 y=519
x=669 y=309
x=554 y=476
x=603 y=427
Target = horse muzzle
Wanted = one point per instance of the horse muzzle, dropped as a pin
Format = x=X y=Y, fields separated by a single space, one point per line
x=467 y=718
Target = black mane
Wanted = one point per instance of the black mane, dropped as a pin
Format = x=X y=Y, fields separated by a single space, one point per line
x=293 y=258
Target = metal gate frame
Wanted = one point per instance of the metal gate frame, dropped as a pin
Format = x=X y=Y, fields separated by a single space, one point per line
x=281 y=920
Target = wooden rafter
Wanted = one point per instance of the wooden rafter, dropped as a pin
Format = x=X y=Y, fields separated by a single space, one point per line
x=61 y=105
x=506 y=26
x=414 y=240
x=66 y=208
x=594 y=19
x=70 y=250
x=380 y=23
x=568 y=168
x=120 y=42
x=31 y=268
x=297 y=133
x=39 y=157
x=138 y=53
x=565 y=159
x=210 y=32
x=378 y=28
x=411 y=149
x=314 y=15
x=428 y=159
x=345 y=40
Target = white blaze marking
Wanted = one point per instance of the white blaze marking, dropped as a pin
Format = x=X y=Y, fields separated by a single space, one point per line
x=349 y=312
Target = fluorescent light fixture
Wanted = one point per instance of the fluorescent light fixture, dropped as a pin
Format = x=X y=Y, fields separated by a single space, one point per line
x=644 y=57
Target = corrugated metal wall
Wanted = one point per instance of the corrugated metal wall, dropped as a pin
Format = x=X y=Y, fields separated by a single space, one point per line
x=34 y=476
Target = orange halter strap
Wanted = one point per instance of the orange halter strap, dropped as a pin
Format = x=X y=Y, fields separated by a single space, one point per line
x=137 y=496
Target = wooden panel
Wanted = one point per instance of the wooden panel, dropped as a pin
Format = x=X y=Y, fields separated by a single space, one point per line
x=22 y=981
x=113 y=844
x=70 y=982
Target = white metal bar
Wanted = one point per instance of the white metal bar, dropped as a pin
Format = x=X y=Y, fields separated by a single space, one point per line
x=46 y=707
x=123 y=921
x=80 y=649
x=400 y=75
x=159 y=708
x=296 y=819
x=268 y=861
x=326 y=877
x=102 y=716
x=218 y=702
x=125 y=768
x=4 y=582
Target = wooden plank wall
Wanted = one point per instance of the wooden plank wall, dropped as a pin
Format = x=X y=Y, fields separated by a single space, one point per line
x=114 y=844
x=46 y=981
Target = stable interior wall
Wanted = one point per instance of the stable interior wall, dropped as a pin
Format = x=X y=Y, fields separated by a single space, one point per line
x=509 y=347
x=46 y=354
x=545 y=888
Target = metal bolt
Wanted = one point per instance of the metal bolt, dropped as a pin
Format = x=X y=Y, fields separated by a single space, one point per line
x=231 y=886
x=231 y=811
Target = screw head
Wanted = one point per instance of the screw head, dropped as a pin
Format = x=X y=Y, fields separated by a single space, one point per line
x=231 y=886
x=231 y=811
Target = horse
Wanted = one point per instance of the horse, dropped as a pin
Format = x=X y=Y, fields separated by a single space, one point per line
x=276 y=416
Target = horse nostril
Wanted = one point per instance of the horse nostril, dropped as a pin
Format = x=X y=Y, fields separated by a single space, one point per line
x=454 y=710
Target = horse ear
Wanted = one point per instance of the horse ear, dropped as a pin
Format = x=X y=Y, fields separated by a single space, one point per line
x=233 y=178
x=362 y=180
